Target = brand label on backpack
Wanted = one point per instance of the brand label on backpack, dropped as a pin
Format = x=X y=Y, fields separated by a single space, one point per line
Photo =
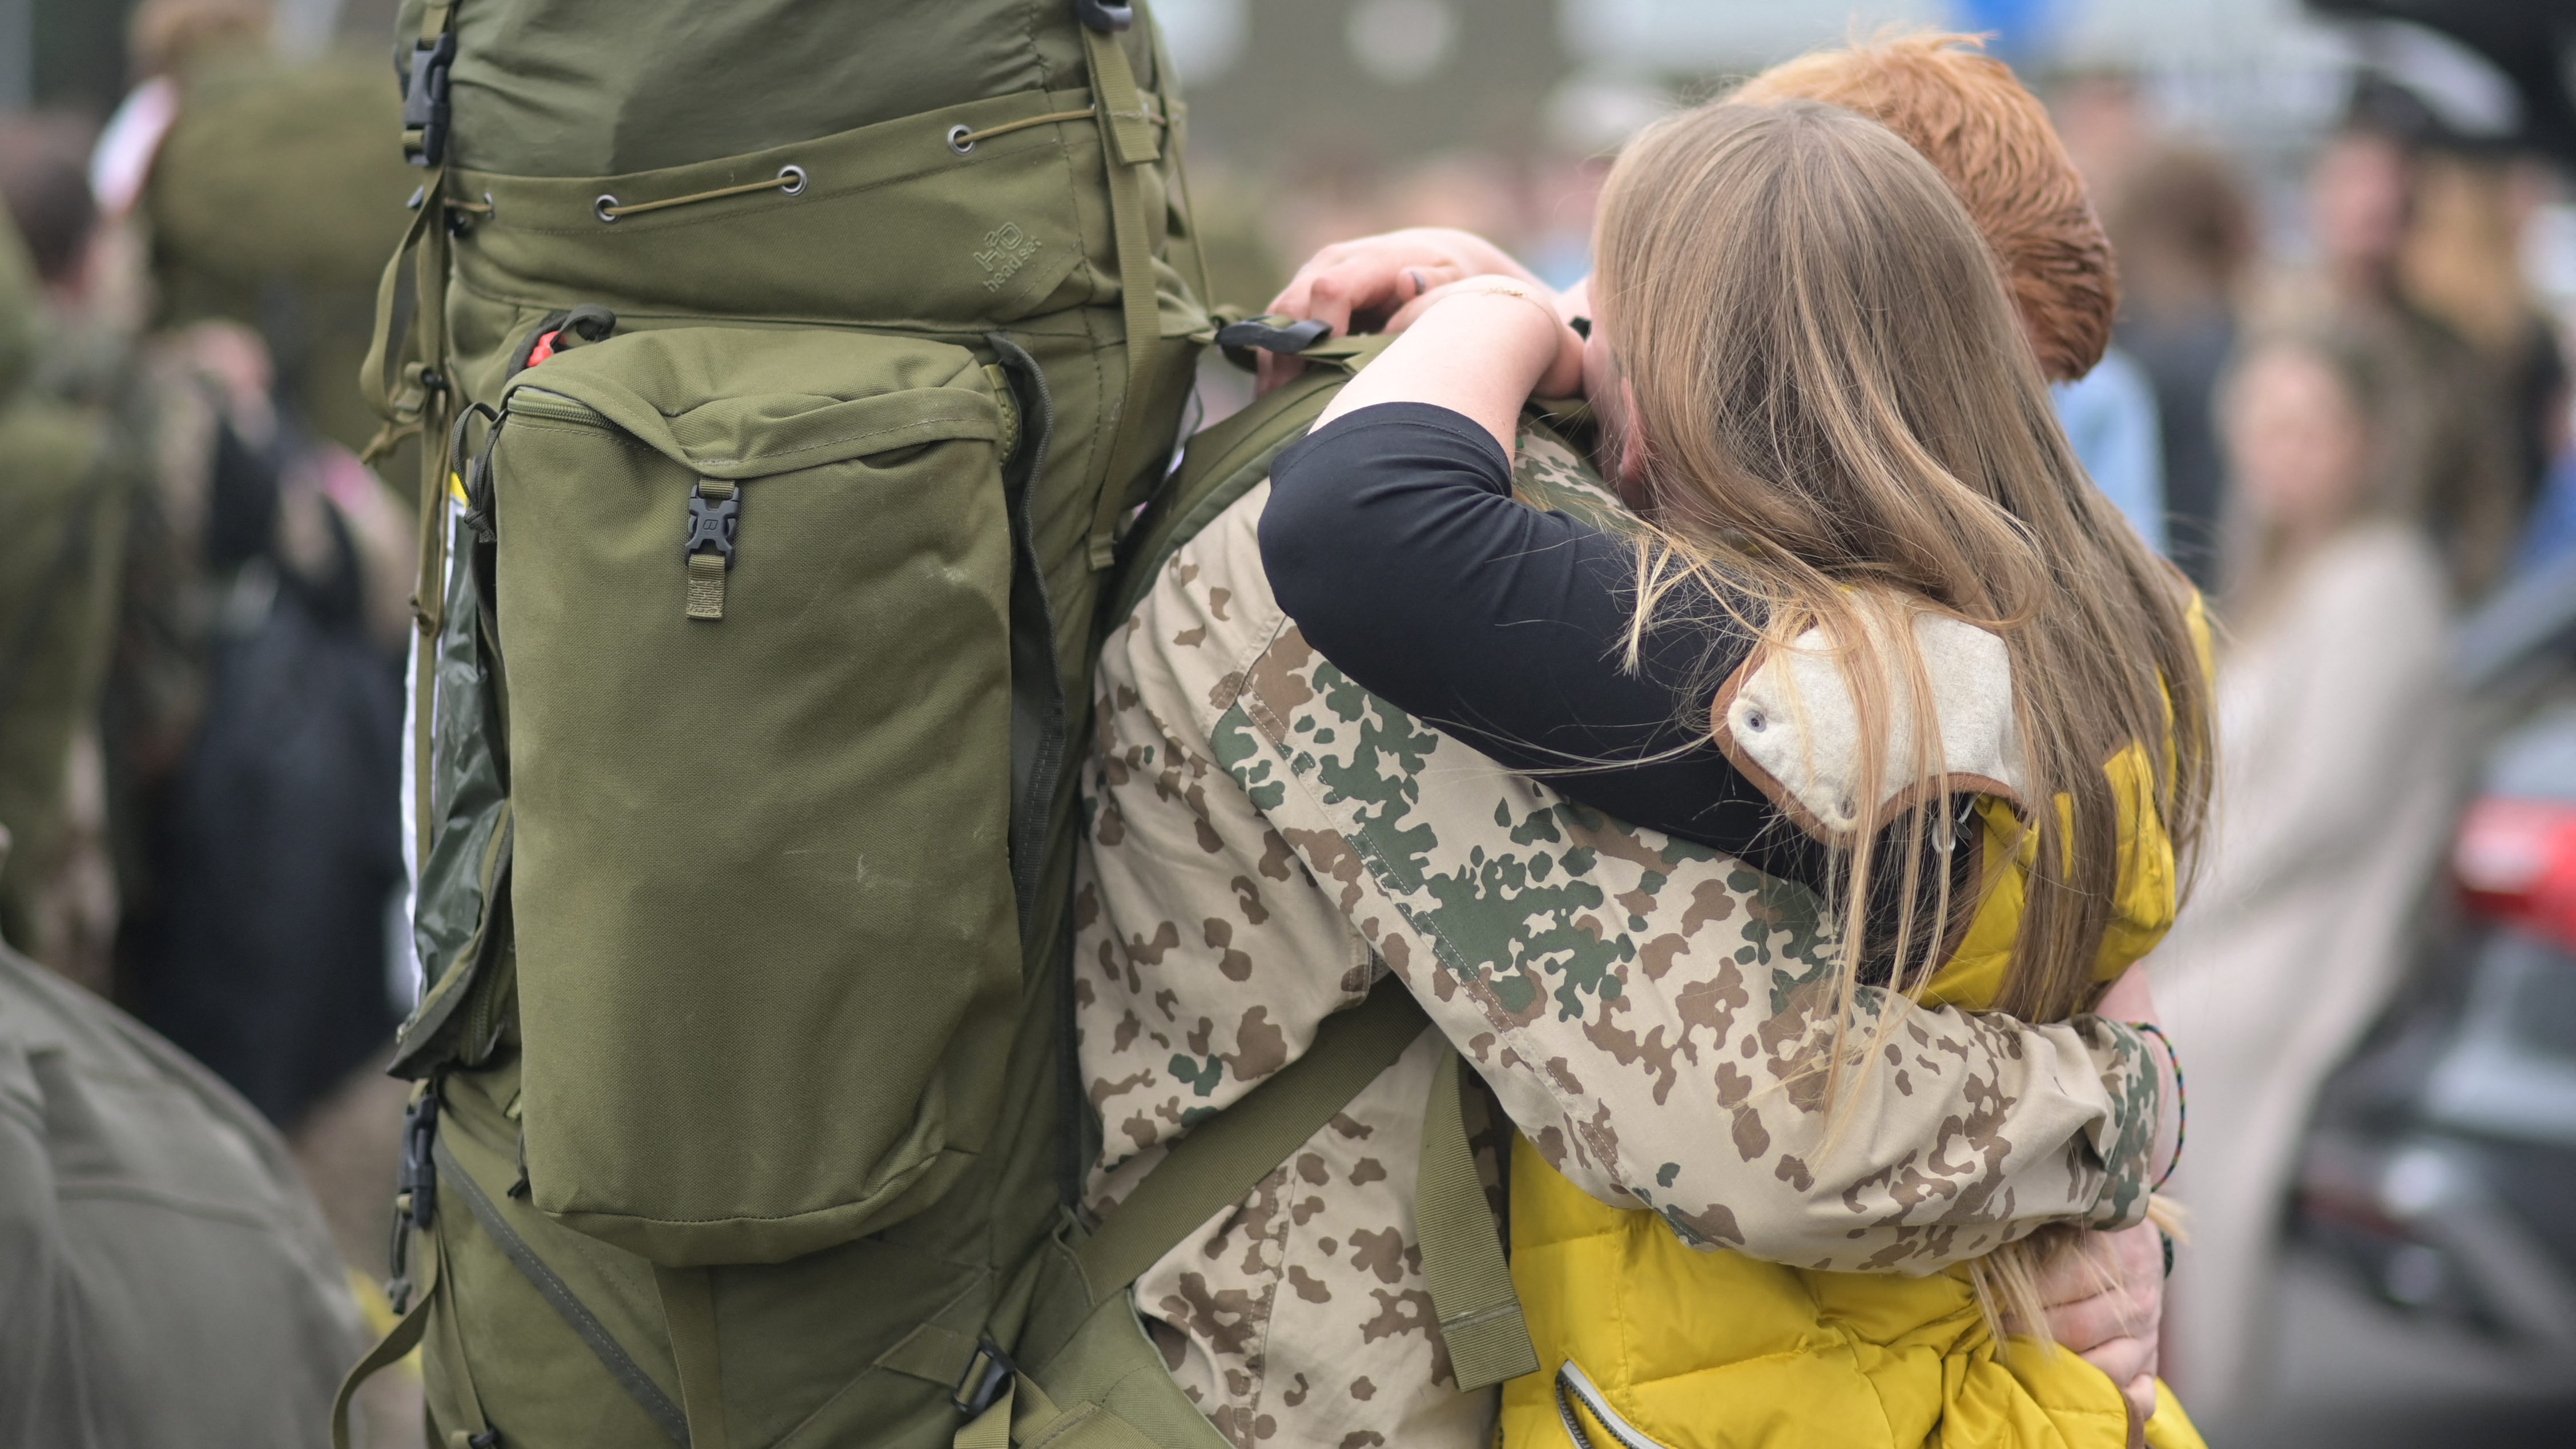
x=1005 y=248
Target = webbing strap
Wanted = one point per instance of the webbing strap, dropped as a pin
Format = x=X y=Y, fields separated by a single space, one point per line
x=706 y=586
x=689 y=1315
x=1128 y=140
x=1463 y=1263
x=376 y=376
x=1226 y=1156
x=401 y=1339
x=475 y=1432
x=418 y=405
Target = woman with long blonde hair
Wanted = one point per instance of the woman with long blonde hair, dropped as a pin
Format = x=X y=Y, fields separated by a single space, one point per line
x=1878 y=635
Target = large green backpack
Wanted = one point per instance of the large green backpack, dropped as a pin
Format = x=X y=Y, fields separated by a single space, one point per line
x=769 y=508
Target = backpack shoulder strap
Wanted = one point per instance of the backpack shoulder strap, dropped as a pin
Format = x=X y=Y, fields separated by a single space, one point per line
x=1222 y=463
x=1225 y=1156
x=1464 y=1264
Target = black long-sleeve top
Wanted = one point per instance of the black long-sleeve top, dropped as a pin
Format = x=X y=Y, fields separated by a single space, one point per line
x=1394 y=542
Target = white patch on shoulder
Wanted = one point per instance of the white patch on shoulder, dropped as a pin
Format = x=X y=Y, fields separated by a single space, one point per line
x=1790 y=715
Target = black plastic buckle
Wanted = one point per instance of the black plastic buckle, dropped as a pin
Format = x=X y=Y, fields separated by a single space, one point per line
x=987 y=1374
x=712 y=523
x=1271 y=333
x=425 y=100
x=415 y=1195
x=418 y=1173
x=1104 y=17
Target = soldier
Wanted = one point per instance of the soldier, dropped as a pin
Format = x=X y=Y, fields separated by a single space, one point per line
x=59 y=566
x=169 y=1281
x=1267 y=841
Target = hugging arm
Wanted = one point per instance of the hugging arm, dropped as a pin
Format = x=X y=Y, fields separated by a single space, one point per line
x=1392 y=539
x=1646 y=1008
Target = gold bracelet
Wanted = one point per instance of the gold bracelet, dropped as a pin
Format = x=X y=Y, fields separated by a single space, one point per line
x=1512 y=289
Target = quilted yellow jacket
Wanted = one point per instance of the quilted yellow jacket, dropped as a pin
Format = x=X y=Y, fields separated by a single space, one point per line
x=1647 y=1343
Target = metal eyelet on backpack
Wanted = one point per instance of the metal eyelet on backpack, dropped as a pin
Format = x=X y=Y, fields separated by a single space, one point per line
x=791 y=180
x=957 y=141
x=602 y=207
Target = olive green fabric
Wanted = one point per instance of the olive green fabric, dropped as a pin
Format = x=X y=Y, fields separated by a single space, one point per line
x=59 y=557
x=237 y=233
x=759 y=856
x=600 y=87
x=168 y=1279
x=1226 y=461
x=746 y=935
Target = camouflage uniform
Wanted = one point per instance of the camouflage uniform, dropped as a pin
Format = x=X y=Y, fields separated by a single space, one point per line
x=1266 y=838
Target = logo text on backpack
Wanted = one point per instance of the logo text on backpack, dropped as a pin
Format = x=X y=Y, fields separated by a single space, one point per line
x=1005 y=248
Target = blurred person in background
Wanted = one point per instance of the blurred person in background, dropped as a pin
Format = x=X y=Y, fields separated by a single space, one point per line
x=2113 y=422
x=63 y=489
x=166 y=1278
x=2448 y=443
x=2185 y=235
x=167 y=1282
x=267 y=194
x=2337 y=785
x=264 y=773
x=252 y=710
x=2462 y=262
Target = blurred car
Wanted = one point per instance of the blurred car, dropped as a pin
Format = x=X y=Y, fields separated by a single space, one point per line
x=2442 y=1160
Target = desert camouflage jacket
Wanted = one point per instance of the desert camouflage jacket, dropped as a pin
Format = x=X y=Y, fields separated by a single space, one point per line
x=1265 y=839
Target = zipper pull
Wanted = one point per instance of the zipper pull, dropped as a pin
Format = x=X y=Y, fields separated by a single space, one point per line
x=715 y=510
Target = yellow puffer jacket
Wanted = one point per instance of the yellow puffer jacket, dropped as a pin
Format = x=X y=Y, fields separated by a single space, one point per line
x=1649 y=1344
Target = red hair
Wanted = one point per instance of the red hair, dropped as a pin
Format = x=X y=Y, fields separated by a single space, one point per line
x=1990 y=139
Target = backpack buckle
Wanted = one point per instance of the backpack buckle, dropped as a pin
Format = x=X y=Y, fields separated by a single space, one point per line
x=425 y=111
x=712 y=522
x=1106 y=18
x=415 y=1194
x=417 y=1176
x=1271 y=333
x=987 y=1374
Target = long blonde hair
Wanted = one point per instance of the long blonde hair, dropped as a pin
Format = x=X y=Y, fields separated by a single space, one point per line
x=1836 y=406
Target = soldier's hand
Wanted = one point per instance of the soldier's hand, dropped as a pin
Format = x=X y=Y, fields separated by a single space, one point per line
x=1356 y=286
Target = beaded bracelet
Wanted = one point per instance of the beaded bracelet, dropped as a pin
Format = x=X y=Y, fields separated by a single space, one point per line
x=2182 y=1099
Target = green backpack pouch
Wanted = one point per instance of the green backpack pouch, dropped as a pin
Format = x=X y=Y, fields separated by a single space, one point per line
x=752 y=599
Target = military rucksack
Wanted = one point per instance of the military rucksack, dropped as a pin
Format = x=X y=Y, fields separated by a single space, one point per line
x=774 y=506
x=770 y=501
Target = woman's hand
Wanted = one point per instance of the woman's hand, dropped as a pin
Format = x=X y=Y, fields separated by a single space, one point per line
x=1355 y=286
x=2105 y=1302
x=1482 y=346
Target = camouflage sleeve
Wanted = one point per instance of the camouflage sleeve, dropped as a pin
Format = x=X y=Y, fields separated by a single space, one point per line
x=1656 y=1017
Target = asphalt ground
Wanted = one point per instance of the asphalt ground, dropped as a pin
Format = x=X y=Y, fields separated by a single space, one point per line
x=2355 y=1372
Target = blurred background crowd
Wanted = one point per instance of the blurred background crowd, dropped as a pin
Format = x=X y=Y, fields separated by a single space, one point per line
x=2339 y=398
